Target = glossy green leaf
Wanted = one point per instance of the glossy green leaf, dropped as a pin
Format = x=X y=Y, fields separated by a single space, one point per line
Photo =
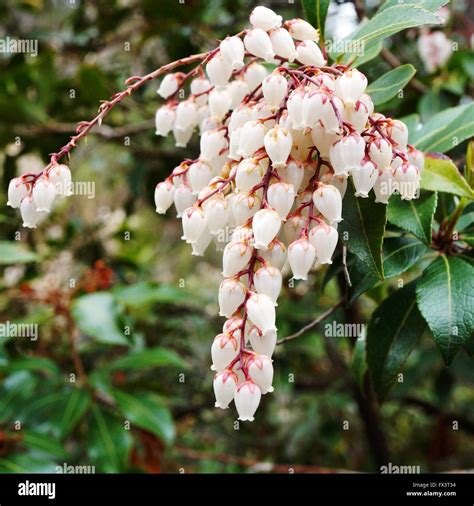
x=370 y=52
x=446 y=130
x=31 y=364
x=440 y=174
x=96 y=315
x=399 y=254
x=412 y=121
x=75 y=407
x=393 y=331
x=415 y=216
x=362 y=229
x=14 y=252
x=147 y=411
x=108 y=442
x=392 y=20
x=27 y=463
x=43 y=443
x=316 y=12
x=390 y=84
x=445 y=295
x=429 y=5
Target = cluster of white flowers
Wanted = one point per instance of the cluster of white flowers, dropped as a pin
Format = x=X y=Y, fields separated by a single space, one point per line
x=277 y=147
x=35 y=194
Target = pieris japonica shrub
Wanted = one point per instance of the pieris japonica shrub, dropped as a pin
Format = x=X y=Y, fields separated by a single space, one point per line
x=283 y=135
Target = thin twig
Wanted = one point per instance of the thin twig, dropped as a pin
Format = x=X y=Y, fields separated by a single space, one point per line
x=318 y=320
x=344 y=265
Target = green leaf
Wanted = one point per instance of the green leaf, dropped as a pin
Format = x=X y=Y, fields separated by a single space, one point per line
x=358 y=362
x=362 y=229
x=43 y=443
x=470 y=163
x=96 y=315
x=316 y=12
x=27 y=463
x=429 y=5
x=393 y=331
x=31 y=364
x=388 y=85
x=108 y=442
x=75 y=407
x=415 y=216
x=399 y=254
x=13 y=252
x=446 y=130
x=445 y=295
x=392 y=20
x=370 y=52
x=147 y=411
x=152 y=357
x=440 y=174
x=142 y=294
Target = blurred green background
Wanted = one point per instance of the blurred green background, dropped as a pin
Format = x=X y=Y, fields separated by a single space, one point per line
x=100 y=266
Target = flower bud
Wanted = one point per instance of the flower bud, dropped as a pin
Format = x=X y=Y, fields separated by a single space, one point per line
x=278 y=144
x=328 y=202
x=340 y=182
x=282 y=44
x=294 y=105
x=398 y=132
x=260 y=370
x=293 y=173
x=60 y=176
x=275 y=254
x=17 y=191
x=293 y=227
x=218 y=71
x=233 y=327
x=28 y=211
x=301 y=30
x=231 y=296
x=249 y=174
x=261 y=311
x=182 y=137
x=274 y=89
x=364 y=178
x=351 y=85
x=407 y=178
x=236 y=256
x=239 y=117
x=301 y=257
x=281 y=196
x=164 y=120
x=199 y=86
x=244 y=207
x=169 y=85
x=234 y=144
x=258 y=43
x=225 y=384
x=268 y=281
x=330 y=119
x=237 y=89
x=308 y=53
x=324 y=239
x=247 y=398
x=313 y=108
x=435 y=49
x=265 y=18
x=212 y=143
x=199 y=247
x=183 y=199
x=357 y=115
x=322 y=140
x=347 y=154
x=384 y=186
x=265 y=225
x=219 y=103
x=199 y=175
x=186 y=115
x=263 y=343
x=217 y=214
x=194 y=224
x=416 y=158
x=380 y=152
x=254 y=75
x=232 y=50
x=251 y=138
x=223 y=350
x=164 y=193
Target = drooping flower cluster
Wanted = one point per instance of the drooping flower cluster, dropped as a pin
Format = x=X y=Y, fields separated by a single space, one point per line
x=277 y=146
